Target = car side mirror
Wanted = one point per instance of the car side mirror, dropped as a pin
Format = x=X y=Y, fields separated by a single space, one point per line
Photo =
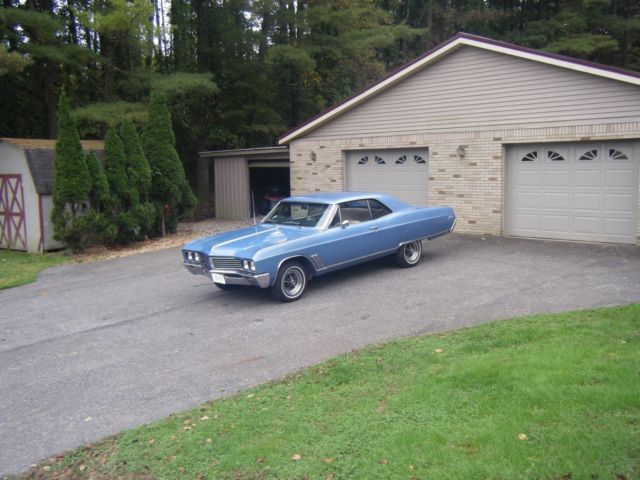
x=344 y=223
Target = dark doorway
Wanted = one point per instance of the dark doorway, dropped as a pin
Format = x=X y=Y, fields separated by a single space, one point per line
x=268 y=184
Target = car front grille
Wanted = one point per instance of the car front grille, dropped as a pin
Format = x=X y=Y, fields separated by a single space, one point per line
x=226 y=263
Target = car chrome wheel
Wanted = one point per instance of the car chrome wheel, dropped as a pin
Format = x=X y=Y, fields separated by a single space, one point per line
x=290 y=282
x=410 y=254
x=293 y=282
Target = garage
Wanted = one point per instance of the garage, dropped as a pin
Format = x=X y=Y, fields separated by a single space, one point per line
x=577 y=191
x=403 y=173
x=518 y=141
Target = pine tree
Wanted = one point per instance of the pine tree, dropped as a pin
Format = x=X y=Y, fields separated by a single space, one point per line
x=114 y=165
x=168 y=185
x=71 y=180
x=99 y=193
x=137 y=166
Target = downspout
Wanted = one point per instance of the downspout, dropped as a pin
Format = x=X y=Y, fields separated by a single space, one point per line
x=41 y=216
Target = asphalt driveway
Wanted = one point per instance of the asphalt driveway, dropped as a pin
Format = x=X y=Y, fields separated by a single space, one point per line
x=92 y=349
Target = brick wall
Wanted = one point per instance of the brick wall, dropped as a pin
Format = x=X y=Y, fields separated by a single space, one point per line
x=473 y=185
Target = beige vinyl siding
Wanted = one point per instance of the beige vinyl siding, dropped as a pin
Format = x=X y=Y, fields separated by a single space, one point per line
x=473 y=87
x=232 y=188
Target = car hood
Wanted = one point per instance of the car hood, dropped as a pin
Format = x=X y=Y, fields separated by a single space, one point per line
x=245 y=242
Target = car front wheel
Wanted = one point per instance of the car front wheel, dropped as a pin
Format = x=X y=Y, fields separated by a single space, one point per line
x=291 y=282
x=409 y=254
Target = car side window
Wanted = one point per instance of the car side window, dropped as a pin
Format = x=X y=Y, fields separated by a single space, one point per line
x=378 y=209
x=355 y=211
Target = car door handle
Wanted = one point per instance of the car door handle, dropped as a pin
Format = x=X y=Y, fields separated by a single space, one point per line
x=373 y=229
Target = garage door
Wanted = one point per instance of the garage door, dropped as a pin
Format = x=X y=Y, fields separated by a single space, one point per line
x=582 y=191
x=403 y=173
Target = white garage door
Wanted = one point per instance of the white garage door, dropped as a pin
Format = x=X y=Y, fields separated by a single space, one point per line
x=402 y=173
x=581 y=191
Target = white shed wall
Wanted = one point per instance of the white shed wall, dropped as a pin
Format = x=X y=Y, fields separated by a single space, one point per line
x=13 y=161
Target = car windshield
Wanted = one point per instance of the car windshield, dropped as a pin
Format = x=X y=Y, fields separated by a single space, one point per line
x=296 y=213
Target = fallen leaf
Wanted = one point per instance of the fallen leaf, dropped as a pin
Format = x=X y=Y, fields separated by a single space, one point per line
x=383 y=461
x=215 y=462
x=173 y=437
x=330 y=476
x=296 y=457
x=82 y=468
x=328 y=460
x=411 y=468
x=88 y=419
x=152 y=441
x=209 y=440
x=260 y=460
x=438 y=350
x=523 y=436
x=251 y=395
x=46 y=468
x=202 y=419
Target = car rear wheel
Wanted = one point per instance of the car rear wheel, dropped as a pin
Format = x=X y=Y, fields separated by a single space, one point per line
x=409 y=254
x=224 y=286
x=291 y=282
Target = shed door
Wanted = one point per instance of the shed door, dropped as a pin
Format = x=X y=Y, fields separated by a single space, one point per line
x=13 y=227
x=402 y=173
x=576 y=191
x=232 y=188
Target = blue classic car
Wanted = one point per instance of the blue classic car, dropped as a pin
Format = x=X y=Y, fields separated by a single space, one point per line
x=306 y=236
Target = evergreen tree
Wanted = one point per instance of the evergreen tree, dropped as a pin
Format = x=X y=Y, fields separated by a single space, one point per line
x=71 y=180
x=114 y=165
x=137 y=166
x=169 y=187
x=99 y=194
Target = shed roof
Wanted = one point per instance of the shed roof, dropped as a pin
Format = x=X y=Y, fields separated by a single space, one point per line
x=451 y=45
x=50 y=144
x=39 y=154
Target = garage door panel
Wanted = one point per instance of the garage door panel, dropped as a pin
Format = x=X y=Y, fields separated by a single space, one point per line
x=556 y=178
x=586 y=201
x=620 y=178
x=587 y=178
x=618 y=202
x=589 y=195
x=402 y=173
x=556 y=200
x=616 y=226
x=528 y=200
x=555 y=223
x=527 y=179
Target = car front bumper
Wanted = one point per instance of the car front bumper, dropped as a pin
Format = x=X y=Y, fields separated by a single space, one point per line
x=232 y=277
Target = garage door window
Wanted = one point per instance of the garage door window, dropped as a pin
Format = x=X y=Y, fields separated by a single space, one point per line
x=530 y=157
x=590 y=155
x=617 y=155
x=555 y=156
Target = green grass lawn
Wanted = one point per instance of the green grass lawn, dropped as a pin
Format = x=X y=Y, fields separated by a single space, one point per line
x=542 y=397
x=19 y=268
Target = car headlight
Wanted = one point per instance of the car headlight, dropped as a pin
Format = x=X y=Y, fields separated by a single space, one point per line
x=249 y=265
x=190 y=256
x=196 y=256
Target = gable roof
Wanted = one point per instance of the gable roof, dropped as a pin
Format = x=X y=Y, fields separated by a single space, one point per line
x=39 y=154
x=451 y=45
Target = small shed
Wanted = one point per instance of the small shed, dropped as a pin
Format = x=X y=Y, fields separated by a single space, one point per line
x=26 y=200
x=245 y=176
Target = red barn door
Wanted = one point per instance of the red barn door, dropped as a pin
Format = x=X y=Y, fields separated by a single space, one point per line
x=13 y=228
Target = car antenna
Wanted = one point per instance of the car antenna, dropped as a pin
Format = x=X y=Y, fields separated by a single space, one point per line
x=253 y=209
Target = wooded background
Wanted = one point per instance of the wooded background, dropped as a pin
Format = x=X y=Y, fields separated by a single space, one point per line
x=238 y=73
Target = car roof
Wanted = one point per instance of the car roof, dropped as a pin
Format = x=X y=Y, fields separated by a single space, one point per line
x=340 y=197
